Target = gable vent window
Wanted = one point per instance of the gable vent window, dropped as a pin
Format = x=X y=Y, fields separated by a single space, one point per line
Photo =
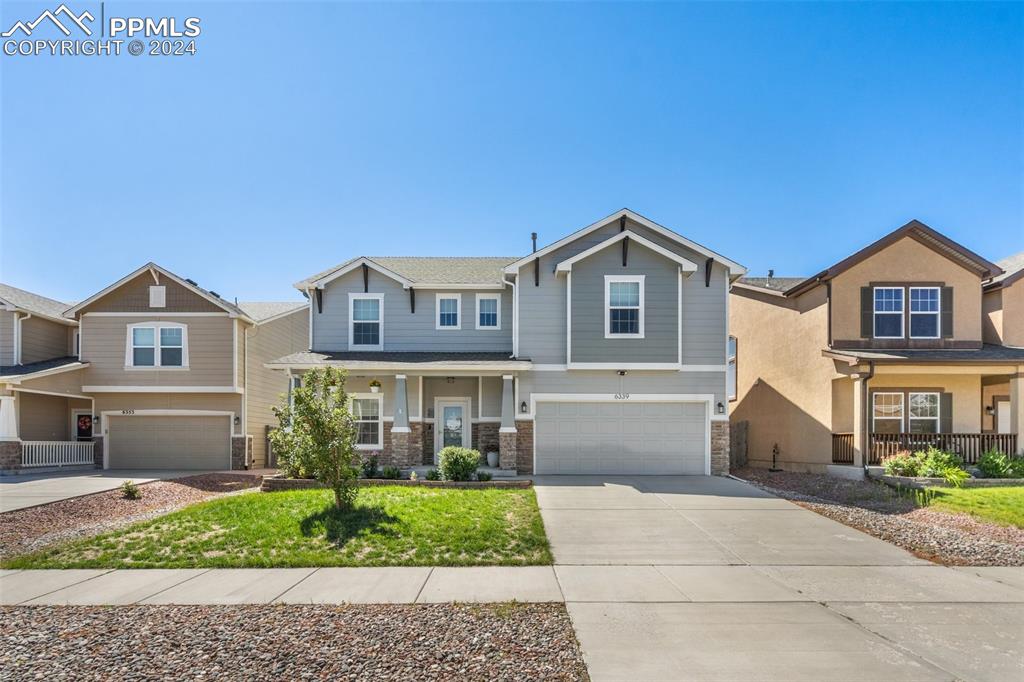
x=157 y=297
x=624 y=306
x=888 y=313
x=924 y=312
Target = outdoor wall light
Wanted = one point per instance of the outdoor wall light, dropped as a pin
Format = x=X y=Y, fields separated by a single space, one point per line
x=523 y=407
x=720 y=408
x=238 y=421
x=450 y=380
x=989 y=410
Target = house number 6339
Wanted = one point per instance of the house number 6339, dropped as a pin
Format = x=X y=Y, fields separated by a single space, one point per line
x=622 y=396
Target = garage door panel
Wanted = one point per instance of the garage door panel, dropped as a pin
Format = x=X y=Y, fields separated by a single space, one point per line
x=662 y=438
x=169 y=442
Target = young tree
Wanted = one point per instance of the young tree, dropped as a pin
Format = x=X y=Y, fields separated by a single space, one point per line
x=317 y=435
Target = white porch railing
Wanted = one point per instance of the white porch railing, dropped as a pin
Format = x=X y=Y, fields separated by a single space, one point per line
x=55 y=453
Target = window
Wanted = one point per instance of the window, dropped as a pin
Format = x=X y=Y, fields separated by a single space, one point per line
x=157 y=344
x=923 y=415
x=366 y=327
x=924 y=312
x=887 y=413
x=77 y=343
x=366 y=413
x=730 y=375
x=157 y=297
x=624 y=306
x=449 y=311
x=293 y=383
x=488 y=311
x=888 y=313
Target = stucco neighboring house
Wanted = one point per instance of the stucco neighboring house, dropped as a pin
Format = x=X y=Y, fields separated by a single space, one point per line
x=158 y=373
x=910 y=341
x=603 y=352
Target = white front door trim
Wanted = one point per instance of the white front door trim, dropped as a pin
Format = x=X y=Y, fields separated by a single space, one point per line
x=440 y=402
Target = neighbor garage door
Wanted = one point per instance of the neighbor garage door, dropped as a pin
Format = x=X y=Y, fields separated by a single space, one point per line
x=173 y=442
x=620 y=438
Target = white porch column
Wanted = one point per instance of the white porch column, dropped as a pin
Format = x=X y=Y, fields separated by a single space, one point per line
x=859 y=421
x=8 y=419
x=1017 y=408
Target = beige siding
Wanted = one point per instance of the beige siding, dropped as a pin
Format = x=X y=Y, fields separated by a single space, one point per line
x=906 y=261
x=133 y=297
x=6 y=338
x=45 y=417
x=69 y=382
x=226 y=402
x=209 y=353
x=966 y=390
x=1013 y=314
x=264 y=387
x=992 y=316
x=42 y=340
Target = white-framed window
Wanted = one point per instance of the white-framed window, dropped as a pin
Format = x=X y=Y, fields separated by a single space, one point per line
x=368 y=415
x=157 y=297
x=624 y=306
x=157 y=344
x=924 y=312
x=730 y=373
x=888 y=312
x=887 y=412
x=293 y=383
x=76 y=342
x=365 y=321
x=488 y=311
x=449 y=311
x=923 y=413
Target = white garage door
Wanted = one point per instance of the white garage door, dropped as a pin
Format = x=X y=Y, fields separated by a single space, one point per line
x=178 y=442
x=620 y=438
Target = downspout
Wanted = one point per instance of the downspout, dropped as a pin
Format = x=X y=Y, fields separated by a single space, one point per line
x=867 y=419
x=18 y=337
x=515 y=320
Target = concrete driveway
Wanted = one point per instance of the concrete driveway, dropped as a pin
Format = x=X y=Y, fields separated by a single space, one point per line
x=30 y=490
x=698 y=578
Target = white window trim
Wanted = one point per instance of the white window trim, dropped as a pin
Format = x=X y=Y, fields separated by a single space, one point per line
x=379 y=397
x=437 y=311
x=129 y=361
x=875 y=312
x=608 y=280
x=938 y=409
x=488 y=297
x=903 y=410
x=937 y=313
x=352 y=296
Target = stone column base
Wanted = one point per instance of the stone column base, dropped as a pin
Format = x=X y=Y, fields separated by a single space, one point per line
x=97 y=451
x=525 y=446
x=238 y=452
x=400 y=448
x=10 y=454
x=507 y=450
x=719 y=448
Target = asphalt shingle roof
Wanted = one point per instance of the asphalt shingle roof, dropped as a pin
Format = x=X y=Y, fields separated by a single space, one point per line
x=436 y=269
x=34 y=303
x=987 y=353
x=264 y=310
x=773 y=283
x=42 y=365
x=318 y=358
x=1010 y=265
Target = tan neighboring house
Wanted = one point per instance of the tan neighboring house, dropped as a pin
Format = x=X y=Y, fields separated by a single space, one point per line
x=160 y=373
x=912 y=340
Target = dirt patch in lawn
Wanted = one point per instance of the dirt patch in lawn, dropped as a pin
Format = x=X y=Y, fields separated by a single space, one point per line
x=876 y=509
x=27 y=530
x=359 y=642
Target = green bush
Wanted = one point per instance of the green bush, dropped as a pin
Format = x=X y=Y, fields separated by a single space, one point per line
x=900 y=464
x=370 y=467
x=458 y=464
x=484 y=476
x=995 y=464
x=131 y=491
x=433 y=475
x=930 y=463
x=391 y=473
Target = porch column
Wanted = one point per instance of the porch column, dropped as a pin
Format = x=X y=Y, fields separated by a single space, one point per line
x=10 y=444
x=859 y=422
x=507 y=441
x=400 y=431
x=1017 y=408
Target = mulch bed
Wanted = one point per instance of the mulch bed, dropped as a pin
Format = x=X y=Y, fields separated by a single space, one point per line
x=26 y=530
x=872 y=507
x=359 y=642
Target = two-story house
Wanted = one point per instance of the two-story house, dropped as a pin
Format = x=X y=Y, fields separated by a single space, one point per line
x=603 y=353
x=154 y=372
x=902 y=344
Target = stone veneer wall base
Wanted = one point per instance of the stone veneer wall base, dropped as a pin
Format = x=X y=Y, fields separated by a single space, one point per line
x=719 y=448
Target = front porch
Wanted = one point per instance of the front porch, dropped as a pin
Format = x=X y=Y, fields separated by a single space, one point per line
x=42 y=430
x=969 y=446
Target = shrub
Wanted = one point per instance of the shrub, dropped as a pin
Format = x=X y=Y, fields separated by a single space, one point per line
x=391 y=473
x=900 y=464
x=131 y=491
x=930 y=463
x=370 y=467
x=458 y=464
x=484 y=475
x=995 y=464
x=433 y=475
x=935 y=462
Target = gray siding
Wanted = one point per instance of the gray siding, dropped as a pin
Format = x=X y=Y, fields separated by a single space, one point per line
x=635 y=382
x=6 y=338
x=404 y=330
x=43 y=340
x=661 y=309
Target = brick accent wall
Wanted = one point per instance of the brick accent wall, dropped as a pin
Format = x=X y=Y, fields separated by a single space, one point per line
x=97 y=451
x=415 y=443
x=719 y=448
x=508 y=452
x=524 y=447
x=238 y=452
x=10 y=454
x=485 y=437
x=428 y=443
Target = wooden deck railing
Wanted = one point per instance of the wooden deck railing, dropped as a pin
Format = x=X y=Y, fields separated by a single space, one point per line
x=969 y=446
x=55 y=453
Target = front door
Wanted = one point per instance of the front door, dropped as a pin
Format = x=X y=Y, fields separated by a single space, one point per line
x=1002 y=416
x=451 y=425
x=83 y=425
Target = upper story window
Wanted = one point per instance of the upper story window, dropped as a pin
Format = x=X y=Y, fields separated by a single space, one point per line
x=367 y=415
x=924 y=312
x=157 y=344
x=730 y=375
x=366 y=321
x=449 y=311
x=488 y=311
x=888 y=312
x=624 y=306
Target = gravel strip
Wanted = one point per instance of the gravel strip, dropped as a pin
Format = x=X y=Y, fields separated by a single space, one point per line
x=379 y=642
x=27 y=530
x=876 y=509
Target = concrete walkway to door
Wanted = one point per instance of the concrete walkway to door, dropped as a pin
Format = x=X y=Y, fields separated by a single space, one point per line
x=30 y=490
x=707 y=578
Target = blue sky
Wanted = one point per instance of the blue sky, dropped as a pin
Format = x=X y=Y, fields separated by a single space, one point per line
x=784 y=136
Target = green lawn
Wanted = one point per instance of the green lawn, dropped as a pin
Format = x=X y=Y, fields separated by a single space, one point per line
x=999 y=505
x=391 y=526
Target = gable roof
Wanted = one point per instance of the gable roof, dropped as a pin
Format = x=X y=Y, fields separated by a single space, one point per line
x=917 y=231
x=774 y=284
x=1013 y=270
x=227 y=306
x=26 y=301
x=735 y=269
x=422 y=271
x=264 y=311
x=684 y=264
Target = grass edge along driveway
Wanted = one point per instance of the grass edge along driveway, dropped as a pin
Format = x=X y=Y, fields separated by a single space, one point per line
x=390 y=526
x=1002 y=505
